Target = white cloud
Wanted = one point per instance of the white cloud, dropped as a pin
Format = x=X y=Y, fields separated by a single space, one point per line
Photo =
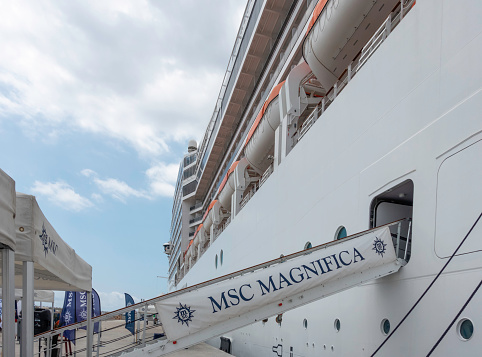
x=118 y=189
x=114 y=300
x=61 y=194
x=162 y=179
x=145 y=73
x=88 y=172
x=98 y=198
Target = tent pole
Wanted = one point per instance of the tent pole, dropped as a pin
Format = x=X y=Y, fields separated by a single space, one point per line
x=26 y=340
x=8 y=302
x=90 y=327
x=98 y=337
x=51 y=342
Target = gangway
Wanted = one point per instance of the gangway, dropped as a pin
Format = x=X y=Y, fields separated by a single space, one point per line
x=209 y=309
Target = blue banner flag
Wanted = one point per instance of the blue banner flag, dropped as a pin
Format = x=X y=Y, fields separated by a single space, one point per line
x=81 y=307
x=67 y=315
x=96 y=310
x=131 y=315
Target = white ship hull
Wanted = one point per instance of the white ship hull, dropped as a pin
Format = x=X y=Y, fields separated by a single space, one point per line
x=413 y=112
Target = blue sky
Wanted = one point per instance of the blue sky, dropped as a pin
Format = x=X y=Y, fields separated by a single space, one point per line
x=97 y=103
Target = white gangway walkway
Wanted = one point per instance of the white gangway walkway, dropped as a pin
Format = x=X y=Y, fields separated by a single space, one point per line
x=209 y=309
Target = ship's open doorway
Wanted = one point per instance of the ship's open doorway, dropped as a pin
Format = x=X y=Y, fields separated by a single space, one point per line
x=394 y=204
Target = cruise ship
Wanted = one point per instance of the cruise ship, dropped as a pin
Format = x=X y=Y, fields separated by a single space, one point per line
x=333 y=205
x=336 y=117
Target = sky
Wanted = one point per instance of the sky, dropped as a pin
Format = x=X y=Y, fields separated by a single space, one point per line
x=98 y=100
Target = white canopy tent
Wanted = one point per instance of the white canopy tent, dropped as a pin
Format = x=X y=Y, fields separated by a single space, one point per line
x=56 y=265
x=7 y=245
x=42 y=261
x=38 y=295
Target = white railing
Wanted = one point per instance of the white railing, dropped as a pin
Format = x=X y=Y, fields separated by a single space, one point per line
x=265 y=176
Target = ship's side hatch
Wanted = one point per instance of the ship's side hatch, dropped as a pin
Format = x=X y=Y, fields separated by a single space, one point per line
x=395 y=204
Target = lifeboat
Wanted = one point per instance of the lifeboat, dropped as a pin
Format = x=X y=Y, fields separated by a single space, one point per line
x=236 y=177
x=259 y=143
x=211 y=215
x=188 y=252
x=226 y=189
x=338 y=31
x=198 y=237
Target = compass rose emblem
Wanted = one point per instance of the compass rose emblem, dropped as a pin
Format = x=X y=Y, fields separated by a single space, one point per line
x=183 y=314
x=67 y=317
x=379 y=246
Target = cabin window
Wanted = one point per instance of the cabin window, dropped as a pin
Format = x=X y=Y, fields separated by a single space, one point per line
x=340 y=233
x=221 y=255
x=465 y=329
x=385 y=326
x=216 y=261
x=395 y=204
x=337 y=325
x=305 y=323
x=308 y=245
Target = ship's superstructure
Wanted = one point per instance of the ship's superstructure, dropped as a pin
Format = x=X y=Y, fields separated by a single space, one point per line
x=274 y=39
x=338 y=116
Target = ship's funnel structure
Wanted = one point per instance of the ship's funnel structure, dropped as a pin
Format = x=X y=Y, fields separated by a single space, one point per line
x=338 y=31
x=259 y=144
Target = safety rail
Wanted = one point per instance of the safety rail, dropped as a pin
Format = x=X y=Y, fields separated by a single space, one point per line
x=145 y=334
x=265 y=176
x=196 y=206
x=195 y=219
x=222 y=227
x=248 y=196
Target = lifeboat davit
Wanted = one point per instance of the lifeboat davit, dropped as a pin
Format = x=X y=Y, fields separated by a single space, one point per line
x=259 y=143
x=338 y=31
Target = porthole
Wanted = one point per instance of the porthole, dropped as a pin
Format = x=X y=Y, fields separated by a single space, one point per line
x=385 y=326
x=305 y=323
x=308 y=245
x=216 y=261
x=340 y=233
x=337 y=325
x=221 y=255
x=465 y=329
x=279 y=319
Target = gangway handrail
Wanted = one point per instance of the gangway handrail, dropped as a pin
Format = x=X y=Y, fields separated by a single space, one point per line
x=232 y=275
